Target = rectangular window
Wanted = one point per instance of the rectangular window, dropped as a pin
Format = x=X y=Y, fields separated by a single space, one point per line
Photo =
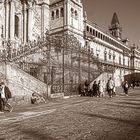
x=120 y=60
x=105 y=56
x=123 y=61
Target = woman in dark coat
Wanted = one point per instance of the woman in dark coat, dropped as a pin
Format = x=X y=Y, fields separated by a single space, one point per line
x=95 y=89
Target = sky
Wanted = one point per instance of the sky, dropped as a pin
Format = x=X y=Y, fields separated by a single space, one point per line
x=128 y=11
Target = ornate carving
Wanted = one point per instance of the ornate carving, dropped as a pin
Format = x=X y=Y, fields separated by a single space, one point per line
x=1 y=13
x=18 y=6
x=37 y=21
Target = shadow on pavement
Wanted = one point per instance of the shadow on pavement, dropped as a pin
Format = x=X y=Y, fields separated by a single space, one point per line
x=35 y=135
x=130 y=122
x=128 y=103
x=135 y=100
x=118 y=105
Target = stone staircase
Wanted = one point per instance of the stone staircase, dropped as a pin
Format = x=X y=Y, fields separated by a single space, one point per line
x=21 y=84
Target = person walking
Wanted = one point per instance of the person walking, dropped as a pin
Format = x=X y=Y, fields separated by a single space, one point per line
x=1 y=101
x=94 y=89
x=86 y=87
x=107 y=87
x=126 y=87
x=114 y=89
x=101 y=89
x=110 y=87
x=80 y=90
x=5 y=96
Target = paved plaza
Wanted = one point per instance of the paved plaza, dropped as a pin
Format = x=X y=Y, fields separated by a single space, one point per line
x=77 y=118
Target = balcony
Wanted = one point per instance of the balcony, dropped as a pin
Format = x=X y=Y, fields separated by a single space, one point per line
x=114 y=64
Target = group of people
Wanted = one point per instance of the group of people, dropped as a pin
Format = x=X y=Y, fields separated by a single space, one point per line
x=5 y=95
x=99 y=88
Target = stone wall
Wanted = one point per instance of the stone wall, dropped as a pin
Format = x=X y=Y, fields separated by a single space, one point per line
x=21 y=84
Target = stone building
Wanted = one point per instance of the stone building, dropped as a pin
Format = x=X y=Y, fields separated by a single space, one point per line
x=22 y=21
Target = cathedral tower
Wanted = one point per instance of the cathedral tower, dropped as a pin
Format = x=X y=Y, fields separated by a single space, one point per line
x=66 y=15
x=115 y=28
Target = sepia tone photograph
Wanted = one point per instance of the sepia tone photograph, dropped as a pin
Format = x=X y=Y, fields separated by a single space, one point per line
x=69 y=70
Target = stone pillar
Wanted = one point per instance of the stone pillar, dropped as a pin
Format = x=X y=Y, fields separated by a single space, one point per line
x=24 y=23
x=42 y=20
x=7 y=19
x=20 y=27
x=21 y=33
x=66 y=13
x=30 y=20
x=12 y=20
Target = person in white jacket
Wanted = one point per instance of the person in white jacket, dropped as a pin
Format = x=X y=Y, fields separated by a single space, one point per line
x=101 y=89
x=2 y=99
x=5 y=96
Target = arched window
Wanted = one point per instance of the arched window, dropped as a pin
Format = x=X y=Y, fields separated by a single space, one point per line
x=87 y=28
x=52 y=16
x=16 y=26
x=91 y=30
x=114 y=56
x=96 y=34
x=72 y=12
x=57 y=13
x=120 y=60
x=76 y=15
x=62 y=12
x=101 y=36
x=109 y=54
x=128 y=62
x=123 y=60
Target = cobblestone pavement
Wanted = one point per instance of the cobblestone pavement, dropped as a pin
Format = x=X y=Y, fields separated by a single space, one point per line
x=77 y=118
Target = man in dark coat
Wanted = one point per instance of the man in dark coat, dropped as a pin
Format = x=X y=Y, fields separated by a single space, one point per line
x=126 y=87
x=7 y=95
x=95 y=89
x=86 y=87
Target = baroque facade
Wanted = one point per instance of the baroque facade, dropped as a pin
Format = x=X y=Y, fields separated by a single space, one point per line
x=22 y=21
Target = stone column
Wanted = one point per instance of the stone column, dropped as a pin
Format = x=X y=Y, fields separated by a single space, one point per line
x=20 y=27
x=24 y=23
x=7 y=19
x=21 y=33
x=30 y=20
x=12 y=20
x=42 y=20
x=66 y=13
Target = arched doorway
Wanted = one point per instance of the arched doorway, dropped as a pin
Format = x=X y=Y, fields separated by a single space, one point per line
x=16 y=26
